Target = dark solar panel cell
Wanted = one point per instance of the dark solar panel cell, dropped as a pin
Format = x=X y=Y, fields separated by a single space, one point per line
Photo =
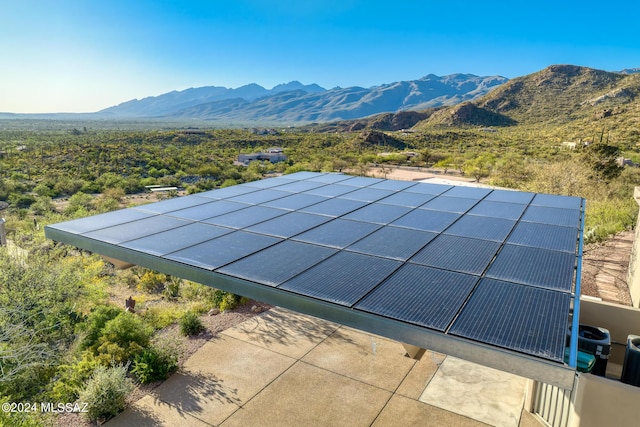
x=289 y=225
x=208 y=210
x=553 y=216
x=342 y=279
x=534 y=266
x=278 y=263
x=334 y=207
x=246 y=217
x=136 y=229
x=404 y=198
x=482 y=227
x=258 y=197
x=217 y=252
x=508 y=196
x=434 y=189
x=427 y=220
x=544 y=236
x=173 y=204
x=330 y=178
x=389 y=184
x=468 y=192
x=295 y=201
x=520 y=318
x=421 y=295
x=331 y=190
x=302 y=175
x=450 y=204
x=393 y=242
x=554 y=201
x=96 y=222
x=498 y=209
x=378 y=213
x=338 y=233
x=299 y=186
x=225 y=193
x=177 y=238
x=457 y=254
x=366 y=194
x=360 y=181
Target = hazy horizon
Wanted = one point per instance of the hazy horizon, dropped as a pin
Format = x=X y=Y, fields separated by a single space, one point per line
x=77 y=56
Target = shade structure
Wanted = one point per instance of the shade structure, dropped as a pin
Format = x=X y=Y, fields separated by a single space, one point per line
x=490 y=276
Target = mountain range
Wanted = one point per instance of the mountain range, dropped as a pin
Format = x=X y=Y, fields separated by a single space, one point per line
x=294 y=102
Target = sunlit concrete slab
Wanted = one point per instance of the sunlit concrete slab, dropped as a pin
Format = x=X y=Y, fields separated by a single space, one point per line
x=365 y=357
x=484 y=394
x=150 y=411
x=283 y=331
x=402 y=411
x=242 y=369
x=309 y=396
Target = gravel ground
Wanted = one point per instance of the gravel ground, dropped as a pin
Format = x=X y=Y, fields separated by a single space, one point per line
x=214 y=324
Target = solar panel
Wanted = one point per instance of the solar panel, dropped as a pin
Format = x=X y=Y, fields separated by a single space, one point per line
x=450 y=204
x=173 y=204
x=342 y=279
x=295 y=201
x=554 y=201
x=246 y=217
x=258 y=197
x=334 y=207
x=338 y=233
x=366 y=194
x=498 y=209
x=177 y=238
x=411 y=200
x=521 y=318
x=482 y=227
x=331 y=190
x=457 y=254
x=278 y=263
x=544 y=236
x=553 y=216
x=402 y=259
x=534 y=266
x=360 y=181
x=393 y=242
x=378 y=213
x=289 y=225
x=222 y=250
x=225 y=193
x=434 y=189
x=510 y=196
x=208 y=210
x=421 y=295
x=475 y=193
x=427 y=220
x=136 y=229
x=96 y=222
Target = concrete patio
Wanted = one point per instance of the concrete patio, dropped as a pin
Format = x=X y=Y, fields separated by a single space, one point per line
x=282 y=368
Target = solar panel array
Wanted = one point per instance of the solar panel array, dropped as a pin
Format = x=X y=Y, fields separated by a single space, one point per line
x=492 y=266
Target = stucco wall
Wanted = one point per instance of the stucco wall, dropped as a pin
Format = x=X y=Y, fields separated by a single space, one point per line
x=634 y=263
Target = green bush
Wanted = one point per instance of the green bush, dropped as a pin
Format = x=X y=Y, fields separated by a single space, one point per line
x=106 y=392
x=190 y=324
x=123 y=337
x=154 y=364
x=94 y=324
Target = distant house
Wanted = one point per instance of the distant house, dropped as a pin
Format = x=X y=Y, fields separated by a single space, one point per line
x=273 y=155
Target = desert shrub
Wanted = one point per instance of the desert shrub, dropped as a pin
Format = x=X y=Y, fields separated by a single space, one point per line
x=190 y=324
x=95 y=323
x=71 y=378
x=151 y=281
x=172 y=288
x=154 y=364
x=106 y=391
x=162 y=315
x=229 y=301
x=123 y=337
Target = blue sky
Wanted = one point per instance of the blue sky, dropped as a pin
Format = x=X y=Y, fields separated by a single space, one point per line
x=86 y=55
